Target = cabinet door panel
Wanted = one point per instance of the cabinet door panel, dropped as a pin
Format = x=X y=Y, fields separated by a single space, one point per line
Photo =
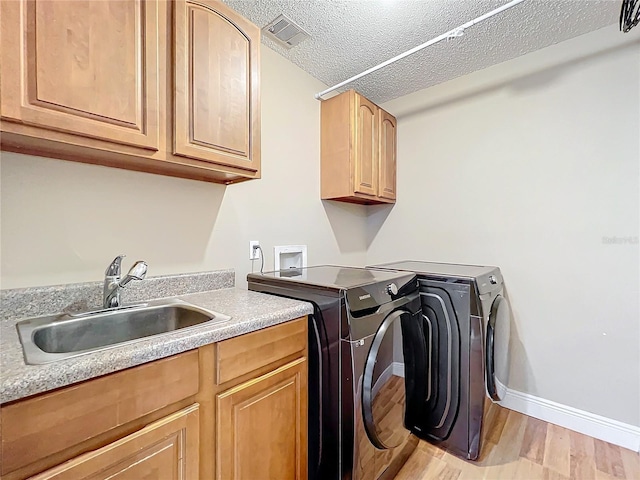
x=84 y=67
x=366 y=147
x=262 y=426
x=216 y=76
x=387 y=156
x=221 y=102
x=164 y=450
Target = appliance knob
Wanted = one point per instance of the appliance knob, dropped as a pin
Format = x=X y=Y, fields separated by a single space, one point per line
x=392 y=289
x=492 y=279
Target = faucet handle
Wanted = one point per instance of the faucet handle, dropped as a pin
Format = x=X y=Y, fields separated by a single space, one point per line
x=113 y=270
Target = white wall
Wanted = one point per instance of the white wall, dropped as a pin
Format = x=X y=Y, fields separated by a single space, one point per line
x=63 y=222
x=529 y=165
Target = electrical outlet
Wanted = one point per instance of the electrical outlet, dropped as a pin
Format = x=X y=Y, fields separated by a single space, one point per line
x=254 y=251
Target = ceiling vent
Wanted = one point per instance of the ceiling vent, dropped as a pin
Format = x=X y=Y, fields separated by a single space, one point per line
x=285 y=32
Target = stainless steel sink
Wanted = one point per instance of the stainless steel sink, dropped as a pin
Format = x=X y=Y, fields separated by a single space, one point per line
x=51 y=338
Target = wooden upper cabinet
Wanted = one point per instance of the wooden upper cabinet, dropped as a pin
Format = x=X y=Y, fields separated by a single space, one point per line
x=357 y=150
x=387 y=156
x=165 y=87
x=164 y=450
x=216 y=74
x=365 y=162
x=84 y=67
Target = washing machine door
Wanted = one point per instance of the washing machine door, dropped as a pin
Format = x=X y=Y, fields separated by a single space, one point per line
x=385 y=390
x=441 y=401
x=497 y=348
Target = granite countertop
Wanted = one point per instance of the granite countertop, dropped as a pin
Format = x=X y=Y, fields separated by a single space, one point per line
x=249 y=311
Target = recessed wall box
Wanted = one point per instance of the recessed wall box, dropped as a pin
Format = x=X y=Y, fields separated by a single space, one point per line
x=290 y=256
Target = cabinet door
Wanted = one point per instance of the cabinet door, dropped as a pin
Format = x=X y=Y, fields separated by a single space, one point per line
x=216 y=73
x=164 y=450
x=366 y=147
x=387 y=156
x=262 y=427
x=84 y=67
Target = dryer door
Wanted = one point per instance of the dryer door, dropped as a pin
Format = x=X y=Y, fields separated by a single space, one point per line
x=497 y=348
x=391 y=358
x=435 y=418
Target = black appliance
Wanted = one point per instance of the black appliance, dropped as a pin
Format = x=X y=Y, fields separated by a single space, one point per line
x=367 y=359
x=466 y=326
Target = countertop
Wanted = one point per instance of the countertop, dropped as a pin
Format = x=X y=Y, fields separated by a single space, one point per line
x=249 y=311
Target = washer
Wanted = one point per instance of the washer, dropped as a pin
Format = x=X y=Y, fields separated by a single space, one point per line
x=466 y=326
x=365 y=338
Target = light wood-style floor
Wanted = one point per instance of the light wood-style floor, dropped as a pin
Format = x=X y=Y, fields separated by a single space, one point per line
x=524 y=448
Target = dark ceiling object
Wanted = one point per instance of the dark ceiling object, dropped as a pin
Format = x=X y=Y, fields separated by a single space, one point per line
x=629 y=15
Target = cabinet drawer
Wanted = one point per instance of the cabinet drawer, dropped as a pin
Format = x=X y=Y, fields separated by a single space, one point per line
x=35 y=428
x=246 y=353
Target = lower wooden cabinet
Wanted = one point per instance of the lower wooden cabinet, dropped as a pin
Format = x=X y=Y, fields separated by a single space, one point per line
x=236 y=409
x=261 y=426
x=165 y=450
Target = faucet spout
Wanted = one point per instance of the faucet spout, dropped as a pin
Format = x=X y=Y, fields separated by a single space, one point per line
x=137 y=272
x=112 y=283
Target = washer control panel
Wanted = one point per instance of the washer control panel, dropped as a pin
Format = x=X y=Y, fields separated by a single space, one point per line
x=371 y=296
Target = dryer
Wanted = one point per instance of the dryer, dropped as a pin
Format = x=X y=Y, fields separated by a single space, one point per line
x=466 y=327
x=366 y=349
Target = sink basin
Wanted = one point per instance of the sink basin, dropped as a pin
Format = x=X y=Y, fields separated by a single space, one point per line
x=51 y=338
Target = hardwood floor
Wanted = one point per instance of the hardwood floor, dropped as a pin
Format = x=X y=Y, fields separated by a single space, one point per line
x=525 y=448
x=388 y=410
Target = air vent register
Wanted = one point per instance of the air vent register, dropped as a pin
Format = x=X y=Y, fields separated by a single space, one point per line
x=285 y=32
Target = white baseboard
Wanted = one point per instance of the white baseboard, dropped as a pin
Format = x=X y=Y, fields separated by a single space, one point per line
x=398 y=369
x=382 y=380
x=597 y=426
x=603 y=428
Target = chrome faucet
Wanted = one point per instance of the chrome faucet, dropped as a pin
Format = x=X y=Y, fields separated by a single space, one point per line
x=113 y=284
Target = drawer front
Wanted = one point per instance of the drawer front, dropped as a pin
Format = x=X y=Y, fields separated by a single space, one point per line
x=35 y=428
x=246 y=353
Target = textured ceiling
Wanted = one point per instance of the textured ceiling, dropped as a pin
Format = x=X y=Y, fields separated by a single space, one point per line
x=349 y=36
